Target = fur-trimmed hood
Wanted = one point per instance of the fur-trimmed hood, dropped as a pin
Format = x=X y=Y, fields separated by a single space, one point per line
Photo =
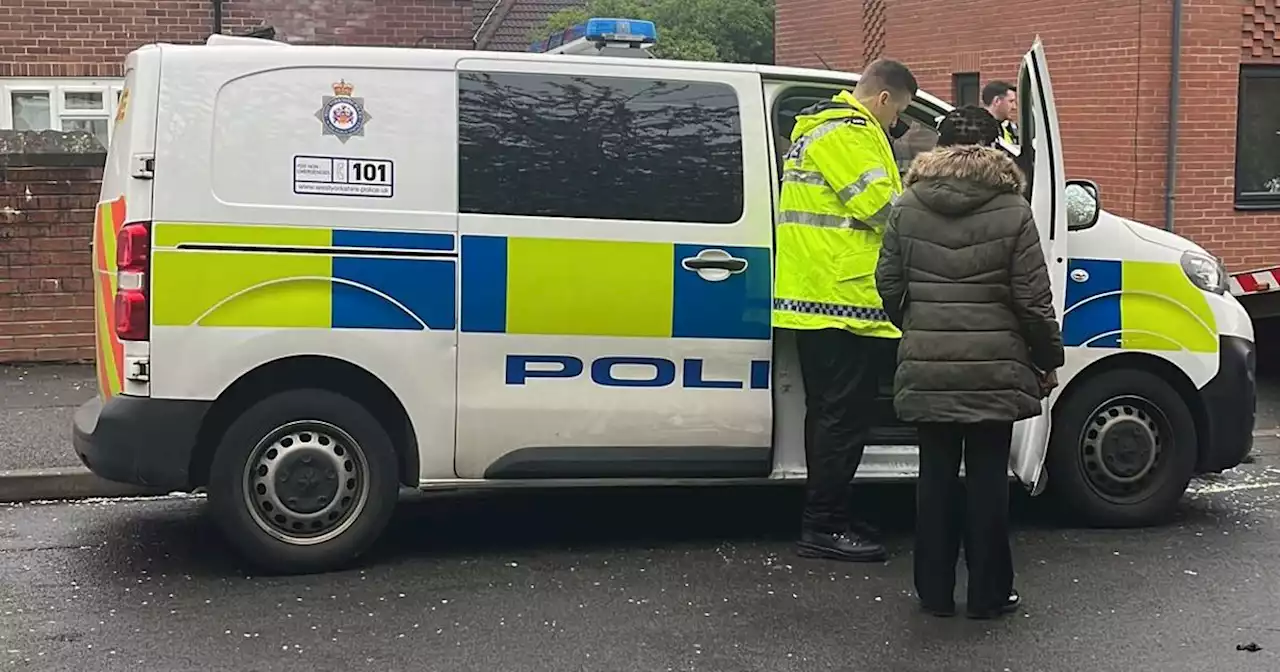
x=956 y=180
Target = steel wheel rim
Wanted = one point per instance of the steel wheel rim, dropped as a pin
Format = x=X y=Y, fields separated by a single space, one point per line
x=306 y=482
x=1124 y=449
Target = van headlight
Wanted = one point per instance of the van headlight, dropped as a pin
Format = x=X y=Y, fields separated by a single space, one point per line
x=1205 y=272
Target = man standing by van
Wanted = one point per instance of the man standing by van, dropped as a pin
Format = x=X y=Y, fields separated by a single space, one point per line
x=1001 y=100
x=839 y=181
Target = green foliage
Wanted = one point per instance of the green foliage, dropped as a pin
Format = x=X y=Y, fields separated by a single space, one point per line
x=560 y=21
x=735 y=31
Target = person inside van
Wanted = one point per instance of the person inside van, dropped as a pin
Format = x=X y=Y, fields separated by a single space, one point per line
x=1001 y=102
x=963 y=275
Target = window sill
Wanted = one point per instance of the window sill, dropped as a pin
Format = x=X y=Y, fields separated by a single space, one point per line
x=1258 y=206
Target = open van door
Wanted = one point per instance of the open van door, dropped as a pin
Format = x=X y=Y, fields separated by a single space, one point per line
x=1040 y=157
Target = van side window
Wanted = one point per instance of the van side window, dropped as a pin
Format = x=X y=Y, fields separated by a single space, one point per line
x=921 y=137
x=599 y=147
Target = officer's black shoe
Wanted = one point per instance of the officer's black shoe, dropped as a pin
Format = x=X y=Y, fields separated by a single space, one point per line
x=866 y=530
x=1011 y=604
x=847 y=546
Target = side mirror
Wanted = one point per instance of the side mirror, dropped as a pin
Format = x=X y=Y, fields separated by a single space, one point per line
x=1083 y=206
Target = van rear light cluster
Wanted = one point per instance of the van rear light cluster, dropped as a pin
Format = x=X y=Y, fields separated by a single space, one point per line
x=133 y=261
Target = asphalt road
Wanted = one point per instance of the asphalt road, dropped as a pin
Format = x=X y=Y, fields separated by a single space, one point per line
x=643 y=580
x=37 y=403
x=36 y=406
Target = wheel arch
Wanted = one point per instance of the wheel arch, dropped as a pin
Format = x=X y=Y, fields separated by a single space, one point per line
x=308 y=371
x=1161 y=368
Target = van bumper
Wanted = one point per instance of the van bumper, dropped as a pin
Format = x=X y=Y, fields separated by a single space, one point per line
x=1230 y=402
x=139 y=440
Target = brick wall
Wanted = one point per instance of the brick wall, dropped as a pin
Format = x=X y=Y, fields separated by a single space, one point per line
x=1254 y=237
x=46 y=299
x=399 y=23
x=1204 y=203
x=1110 y=68
x=808 y=32
x=1111 y=133
x=89 y=38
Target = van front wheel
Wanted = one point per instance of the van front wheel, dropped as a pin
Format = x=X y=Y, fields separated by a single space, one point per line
x=1123 y=450
x=303 y=481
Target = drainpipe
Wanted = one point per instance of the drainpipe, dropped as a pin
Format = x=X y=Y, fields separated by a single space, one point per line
x=475 y=38
x=1175 y=83
x=217 y=17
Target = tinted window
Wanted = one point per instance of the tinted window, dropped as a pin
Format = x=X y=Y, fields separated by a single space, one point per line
x=599 y=147
x=921 y=137
x=965 y=89
x=1258 y=138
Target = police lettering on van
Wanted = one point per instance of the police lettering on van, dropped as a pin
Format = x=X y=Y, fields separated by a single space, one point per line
x=654 y=372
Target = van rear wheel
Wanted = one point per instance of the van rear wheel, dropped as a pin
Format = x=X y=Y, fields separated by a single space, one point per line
x=303 y=481
x=1122 y=451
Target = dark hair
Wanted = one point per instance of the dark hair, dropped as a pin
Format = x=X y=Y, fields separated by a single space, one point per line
x=888 y=75
x=968 y=125
x=996 y=89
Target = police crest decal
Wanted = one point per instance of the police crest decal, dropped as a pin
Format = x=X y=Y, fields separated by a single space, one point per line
x=341 y=114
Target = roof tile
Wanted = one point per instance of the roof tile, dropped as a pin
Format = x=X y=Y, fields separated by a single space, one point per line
x=522 y=18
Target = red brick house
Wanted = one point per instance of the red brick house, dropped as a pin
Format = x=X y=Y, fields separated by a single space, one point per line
x=60 y=70
x=1110 y=62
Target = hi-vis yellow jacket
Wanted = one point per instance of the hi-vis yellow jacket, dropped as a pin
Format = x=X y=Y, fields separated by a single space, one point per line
x=1007 y=134
x=838 y=184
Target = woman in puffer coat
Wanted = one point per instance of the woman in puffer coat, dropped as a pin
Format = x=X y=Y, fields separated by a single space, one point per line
x=962 y=274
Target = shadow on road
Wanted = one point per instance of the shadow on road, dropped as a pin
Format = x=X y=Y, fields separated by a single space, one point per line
x=182 y=539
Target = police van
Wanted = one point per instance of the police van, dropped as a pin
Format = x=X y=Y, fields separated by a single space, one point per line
x=322 y=273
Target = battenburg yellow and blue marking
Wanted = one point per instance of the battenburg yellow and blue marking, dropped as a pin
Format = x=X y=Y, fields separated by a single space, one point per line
x=607 y=288
x=274 y=277
x=1136 y=305
x=278 y=277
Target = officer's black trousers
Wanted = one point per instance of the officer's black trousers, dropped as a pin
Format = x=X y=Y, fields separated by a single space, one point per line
x=977 y=511
x=839 y=371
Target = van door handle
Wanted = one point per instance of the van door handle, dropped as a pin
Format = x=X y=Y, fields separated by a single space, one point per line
x=714 y=265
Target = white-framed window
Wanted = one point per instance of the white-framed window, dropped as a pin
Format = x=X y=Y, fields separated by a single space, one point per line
x=60 y=104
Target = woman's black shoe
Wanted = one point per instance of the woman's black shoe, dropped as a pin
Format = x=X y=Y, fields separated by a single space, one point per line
x=1010 y=605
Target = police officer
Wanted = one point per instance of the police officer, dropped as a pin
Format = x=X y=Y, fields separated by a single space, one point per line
x=839 y=181
x=1001 y=100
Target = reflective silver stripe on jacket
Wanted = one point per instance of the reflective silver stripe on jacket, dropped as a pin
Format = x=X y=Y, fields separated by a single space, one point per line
x=803 y=176
x=831 y=310
x=880 y=218
x=860 y=185
x=822 y=221
x=797 y=150
x=823 y=129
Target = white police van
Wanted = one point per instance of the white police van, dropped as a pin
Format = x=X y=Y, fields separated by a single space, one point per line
x=322 y=273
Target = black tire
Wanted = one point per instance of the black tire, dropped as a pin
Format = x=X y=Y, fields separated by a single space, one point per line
x=299 y=461
x=1105 y=469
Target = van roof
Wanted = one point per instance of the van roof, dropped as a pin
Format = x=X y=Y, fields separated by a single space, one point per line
x=448 y=58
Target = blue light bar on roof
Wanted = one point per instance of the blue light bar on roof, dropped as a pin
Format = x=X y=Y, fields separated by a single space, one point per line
x=636 y=31
x=620 y=30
